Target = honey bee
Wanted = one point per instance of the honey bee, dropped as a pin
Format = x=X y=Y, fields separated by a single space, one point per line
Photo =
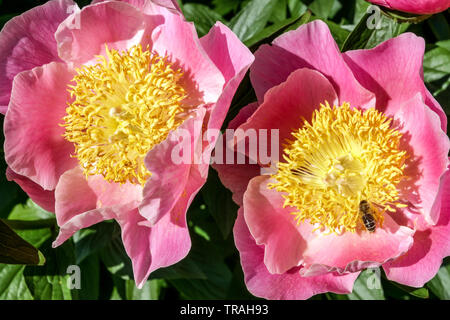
x=366 y=210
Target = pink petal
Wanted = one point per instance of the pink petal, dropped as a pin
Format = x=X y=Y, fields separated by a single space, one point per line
x=84 y=34
x=427 y=146
x=416 y=6
x=286 y=105
x=377 y=70
x=233 y=59
x=237 y=176
x=351 y=252
x=34 y=145
x=272 y=226
x=76 y=195
x=431 y=244
x=164 y=244
x=288 y=245
x=44 y=198
x=178 y=39
x=310 y=46
x=28 y=41
x=149 y=6
x=169 y=179
x=289 y=285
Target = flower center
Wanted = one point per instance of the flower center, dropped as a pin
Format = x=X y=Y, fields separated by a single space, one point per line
x=123 y=106
x=344 y=156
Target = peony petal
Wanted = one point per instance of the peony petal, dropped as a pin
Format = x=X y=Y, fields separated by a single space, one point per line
x=431 y=244
x=75 y=194
x=169 y=177
x=234 y=176
x=377 y=70
x=119 y=25
x=34 y=145
x=82 y=202
x=310 y=46
x=44 y=198
x=178 y=39
x=351 y=252
x=290 y=285
x=416 y=6
x=28 y=41
x=233 y=59
x=273 y=226
x=149 y=6
x=427 y=146
x=287 y=105
x=164 y=244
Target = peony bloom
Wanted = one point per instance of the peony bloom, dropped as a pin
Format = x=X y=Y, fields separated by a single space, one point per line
x=94 y=101
x=356 y=128
x=416 y=6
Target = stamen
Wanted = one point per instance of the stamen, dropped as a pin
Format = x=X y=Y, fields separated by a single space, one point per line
x=342 y=157
x=123 y=106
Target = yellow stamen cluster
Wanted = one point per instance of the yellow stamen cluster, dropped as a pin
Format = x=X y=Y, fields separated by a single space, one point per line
x=123 y=106
x=342 y=157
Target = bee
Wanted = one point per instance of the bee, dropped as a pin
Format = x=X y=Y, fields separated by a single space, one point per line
x=366 y=210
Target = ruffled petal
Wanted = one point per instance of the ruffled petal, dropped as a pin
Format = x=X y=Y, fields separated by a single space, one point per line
x=431 y=244
x=34 y=145
x=377 y=70
x=236 y=176
x=44 y=198
x=289 y=285
x=416 y=6
x=82 y=202
x=28 y=41
x=310 y=46
x=116 y=24
x=162 y=245
x=287 y=105
x=273 y=226
x=178 y=39
x=170 y=168
x=233 y=59
x=427 y=147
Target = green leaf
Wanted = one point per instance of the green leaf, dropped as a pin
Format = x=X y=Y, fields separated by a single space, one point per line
x=202 y=16
x=322 y=8
x=51 y=282
x=368 y=286
x=150 y=291
x=421 y=293
x=224 y=7
x=440 y=26
x=436 y=63
x=186 y=268
x=296 y=7
x=270 y=33
x=210 y=257
x=90 y=278
x=12 y=283
x=15 y=250
x=116 y=259
x=360 y=36
x=252 y=18
x=440 y=284
x=279 y=13
x=219 y=203
x=90 y=240
x=388 y=29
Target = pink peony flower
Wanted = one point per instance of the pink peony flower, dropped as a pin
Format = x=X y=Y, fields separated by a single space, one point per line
x=94 y=101
x=416 y=6
x=356 y=129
